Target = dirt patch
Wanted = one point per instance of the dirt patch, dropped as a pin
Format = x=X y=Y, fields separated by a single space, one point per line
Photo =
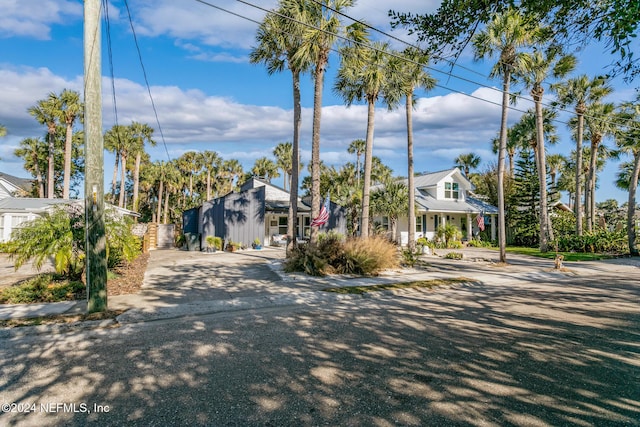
x=129 y=277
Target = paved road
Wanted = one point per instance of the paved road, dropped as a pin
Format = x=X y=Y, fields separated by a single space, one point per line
x=523 y=346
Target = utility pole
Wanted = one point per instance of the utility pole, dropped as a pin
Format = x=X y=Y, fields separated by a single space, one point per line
x=96 y=242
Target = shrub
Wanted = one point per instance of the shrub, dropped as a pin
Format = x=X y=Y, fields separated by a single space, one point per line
x=369 y=257
x=42 y=288
x=409 y=257
x=454 y=255
x=306 y=259
x=475 y=243
x=449 y=233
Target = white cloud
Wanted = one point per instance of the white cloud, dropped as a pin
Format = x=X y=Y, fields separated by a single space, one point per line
x=33 y=18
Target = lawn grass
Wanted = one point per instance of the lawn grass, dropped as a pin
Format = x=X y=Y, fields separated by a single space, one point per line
x=568 y=256
x=404 y=285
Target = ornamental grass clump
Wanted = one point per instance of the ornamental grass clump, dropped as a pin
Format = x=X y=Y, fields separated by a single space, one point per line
x=335 y=255
x=368 y=257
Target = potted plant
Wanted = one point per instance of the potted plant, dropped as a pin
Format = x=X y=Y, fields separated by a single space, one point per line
x=214 y=243
x=233 y=246
x=423 y=245
x=256 y=244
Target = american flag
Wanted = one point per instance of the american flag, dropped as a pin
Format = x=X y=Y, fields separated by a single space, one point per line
x=480 y=221
x=323 y=216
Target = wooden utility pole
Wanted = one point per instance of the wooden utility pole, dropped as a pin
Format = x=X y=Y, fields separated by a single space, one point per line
x=96 y=242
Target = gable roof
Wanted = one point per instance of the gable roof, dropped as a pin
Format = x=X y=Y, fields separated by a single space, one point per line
x=432 y=179
x=12 y=183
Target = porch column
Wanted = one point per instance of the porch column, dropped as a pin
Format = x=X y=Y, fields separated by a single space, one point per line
x=469 y=227
x=7 y=222
x=493 y=227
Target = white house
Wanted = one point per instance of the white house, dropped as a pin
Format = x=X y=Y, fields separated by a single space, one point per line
x=444 y=197
x=16 y=210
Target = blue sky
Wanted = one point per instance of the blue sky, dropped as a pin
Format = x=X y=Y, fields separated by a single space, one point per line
x=209 y=97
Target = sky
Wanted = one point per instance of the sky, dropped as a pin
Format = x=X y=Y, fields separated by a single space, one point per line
x=209 y=97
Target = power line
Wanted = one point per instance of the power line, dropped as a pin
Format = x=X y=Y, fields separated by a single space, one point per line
x=146 y=80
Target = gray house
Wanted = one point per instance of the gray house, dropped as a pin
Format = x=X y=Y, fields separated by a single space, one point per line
x=258 y=211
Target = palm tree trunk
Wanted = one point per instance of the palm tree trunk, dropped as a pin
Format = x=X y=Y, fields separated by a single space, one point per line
x=411 y=213
x=631 y=208
x=66 y=182
x=39 y=180
x=115 y=178
x=368 y=156
x=136 y=182
x=545 y=231
x=159 y=207
x=295 y=165
x=208 y=185
x=166 y=207
x=51 y=165
x=123 y=179
x=315 y=147
x=591 y=207
x=502 y=240
x=578 y=193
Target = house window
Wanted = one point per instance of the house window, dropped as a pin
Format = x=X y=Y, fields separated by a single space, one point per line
x=451 y=190
x=282 y=225
x=306 y=229
x=419 y=224
x=385 y=223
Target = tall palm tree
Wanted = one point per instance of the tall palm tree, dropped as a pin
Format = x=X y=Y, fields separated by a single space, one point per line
x=466 y=162
x=580 y=92
x=211 y=162
x=411 y=76
x=390 y=201
x=279 y=40
x=265 y=168
x=46 y=111
x=34 y=153
x=318 y=35
x=365 y=74
x=555 y=163
x=231 y=170
x=540 y=67
x=599 y=123
x=504 y=37
x=114 y=139
x=71 y=110
x=141 y=133
x=628 y=140
x=127 y=146
x=284 y=159
x=357 y=147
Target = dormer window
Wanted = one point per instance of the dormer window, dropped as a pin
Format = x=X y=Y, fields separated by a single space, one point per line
x=451 y=190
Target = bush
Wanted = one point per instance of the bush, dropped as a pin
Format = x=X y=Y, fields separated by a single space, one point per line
x=597 y=241
x=409 y=257
x=454 y=255
x=475 y=243
x=355 y=256
x=369 y=257
x=306 y=259
x=42 y=288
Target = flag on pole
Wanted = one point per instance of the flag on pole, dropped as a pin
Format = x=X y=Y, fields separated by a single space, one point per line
x=480 y=221
x=323 y=216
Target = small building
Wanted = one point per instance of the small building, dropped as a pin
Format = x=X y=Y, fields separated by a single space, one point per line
x=258 y=211
x=442 y=198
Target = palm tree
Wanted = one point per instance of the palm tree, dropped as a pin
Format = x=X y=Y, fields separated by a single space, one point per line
x=628 y=140
x=211 y=162
x=556 y=163
x=539 y=68
x=284 y=159
x=72 y=109
x=318 y=35
x=599 y=124
x=141 y=133
x=231 y=170
x=365 y=74
x=265 y=168
x=278 y=42
x=466 y=162
x=34 y=152
x=46 y=111
x=390 y=201
x=114 y=139
x=412 y=75
x=127 y=146
x=580 y=91
x=357 y=147
x=504 y=36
